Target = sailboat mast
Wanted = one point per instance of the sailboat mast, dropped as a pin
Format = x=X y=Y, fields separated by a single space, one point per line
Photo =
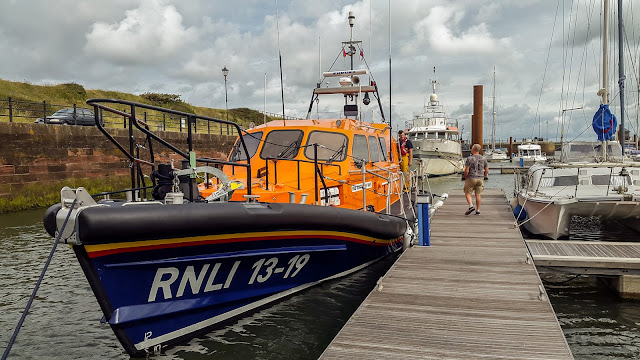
x=621 y=75
x=493 y=110
x=605 y=65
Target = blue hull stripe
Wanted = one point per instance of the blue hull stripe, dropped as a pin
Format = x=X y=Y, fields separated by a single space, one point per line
x=226 y=255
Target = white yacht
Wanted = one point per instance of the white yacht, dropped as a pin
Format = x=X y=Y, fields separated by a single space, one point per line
x=529 y=153
x=495 y=155
x=591 y=178
x=436 y=142
x=548 y=195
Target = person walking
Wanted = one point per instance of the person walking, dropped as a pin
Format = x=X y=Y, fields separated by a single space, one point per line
x=406 y=156
x=476 y=169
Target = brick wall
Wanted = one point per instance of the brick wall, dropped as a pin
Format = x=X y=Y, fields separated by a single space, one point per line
x=37 y=153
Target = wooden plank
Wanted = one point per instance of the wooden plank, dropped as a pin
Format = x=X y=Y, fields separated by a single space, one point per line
x=598 y=256
x=471 y=295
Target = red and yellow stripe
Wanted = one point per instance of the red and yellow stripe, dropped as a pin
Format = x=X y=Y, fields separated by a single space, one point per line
x=135 y=246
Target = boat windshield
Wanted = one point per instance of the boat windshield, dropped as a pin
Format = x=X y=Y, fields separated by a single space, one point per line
x=609 y=180
x=383 y=149
x=333 y=146
x=252 y=141
x=360 y=150
x=283 y=144
x=373 y=149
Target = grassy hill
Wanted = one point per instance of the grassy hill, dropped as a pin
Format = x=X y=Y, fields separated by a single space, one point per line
x=72 y=93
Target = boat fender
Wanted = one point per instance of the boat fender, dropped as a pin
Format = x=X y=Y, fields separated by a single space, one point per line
x=514 y=201
x=407 y=238
x=49 y=219
x=520 y=213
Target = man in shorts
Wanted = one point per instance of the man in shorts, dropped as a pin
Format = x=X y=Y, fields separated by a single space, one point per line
x=476 y=169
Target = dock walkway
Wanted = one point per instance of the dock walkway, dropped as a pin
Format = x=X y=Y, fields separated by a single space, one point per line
x=472 y=294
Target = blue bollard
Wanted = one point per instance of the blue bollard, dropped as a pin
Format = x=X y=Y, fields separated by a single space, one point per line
x=424 y=235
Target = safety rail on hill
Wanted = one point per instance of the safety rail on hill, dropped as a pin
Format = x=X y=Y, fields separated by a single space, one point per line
x=21 y=111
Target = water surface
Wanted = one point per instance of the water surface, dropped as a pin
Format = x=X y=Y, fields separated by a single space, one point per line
x=64 y=321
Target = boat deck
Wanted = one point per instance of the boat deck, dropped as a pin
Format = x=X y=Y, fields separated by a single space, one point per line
x=587 y=257
x=472 y=294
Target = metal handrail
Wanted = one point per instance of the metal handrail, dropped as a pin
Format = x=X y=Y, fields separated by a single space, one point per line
x=298 y=161
x=133 y=121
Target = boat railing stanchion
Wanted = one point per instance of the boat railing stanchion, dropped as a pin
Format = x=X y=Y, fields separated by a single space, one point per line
x=364 y=188
x=315 y=171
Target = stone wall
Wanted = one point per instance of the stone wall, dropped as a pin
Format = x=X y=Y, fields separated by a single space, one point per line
x=38 y=153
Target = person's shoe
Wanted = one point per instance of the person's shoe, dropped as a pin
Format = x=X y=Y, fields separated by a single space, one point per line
x=477 y=212
x=470 y=210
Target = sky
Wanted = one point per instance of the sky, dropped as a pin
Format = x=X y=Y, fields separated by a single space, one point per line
x=547 y=55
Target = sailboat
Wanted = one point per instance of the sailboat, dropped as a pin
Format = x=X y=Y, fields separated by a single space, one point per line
x=494 y=154
x=437 y=148
x=295 y=203
x=591 y=179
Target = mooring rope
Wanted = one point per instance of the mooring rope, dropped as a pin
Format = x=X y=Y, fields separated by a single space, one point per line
x=35 y=290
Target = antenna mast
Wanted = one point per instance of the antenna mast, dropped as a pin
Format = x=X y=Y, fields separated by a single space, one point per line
x=280 y=57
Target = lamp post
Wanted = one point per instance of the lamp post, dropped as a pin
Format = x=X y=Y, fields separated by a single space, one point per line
x=225 y=72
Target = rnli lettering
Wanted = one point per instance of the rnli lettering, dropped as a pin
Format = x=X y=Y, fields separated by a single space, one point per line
x=165 y=277
x=211 y=277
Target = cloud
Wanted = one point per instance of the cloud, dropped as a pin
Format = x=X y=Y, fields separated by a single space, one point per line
x=151 y=32
x=444 y=31
x=180 y=47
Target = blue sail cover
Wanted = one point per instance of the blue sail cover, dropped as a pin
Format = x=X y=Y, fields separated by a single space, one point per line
x=604 y=123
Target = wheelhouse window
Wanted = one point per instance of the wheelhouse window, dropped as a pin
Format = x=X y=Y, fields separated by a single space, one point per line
x=417 y=136
x=334 y=146
x=432 y=135
x=383 y=149
x=360 y=149
x=373 y=149
x=282 y=144
x=615 y=180
x=441 y=135
x=252 y=141
x=566 y=180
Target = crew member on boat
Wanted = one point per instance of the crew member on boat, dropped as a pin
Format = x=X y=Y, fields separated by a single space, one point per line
x=406 y=152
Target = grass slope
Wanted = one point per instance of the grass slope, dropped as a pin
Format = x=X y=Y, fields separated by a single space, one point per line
x=71 y=93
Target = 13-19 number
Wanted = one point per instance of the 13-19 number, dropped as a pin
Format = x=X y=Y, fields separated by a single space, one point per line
x=297 y=262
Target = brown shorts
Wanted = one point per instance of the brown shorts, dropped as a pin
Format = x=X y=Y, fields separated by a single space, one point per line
x=471 y=185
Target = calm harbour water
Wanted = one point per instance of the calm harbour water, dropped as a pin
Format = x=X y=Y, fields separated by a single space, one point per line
x=64 y=321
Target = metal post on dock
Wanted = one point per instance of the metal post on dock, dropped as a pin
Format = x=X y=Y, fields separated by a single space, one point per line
x=424 y=235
